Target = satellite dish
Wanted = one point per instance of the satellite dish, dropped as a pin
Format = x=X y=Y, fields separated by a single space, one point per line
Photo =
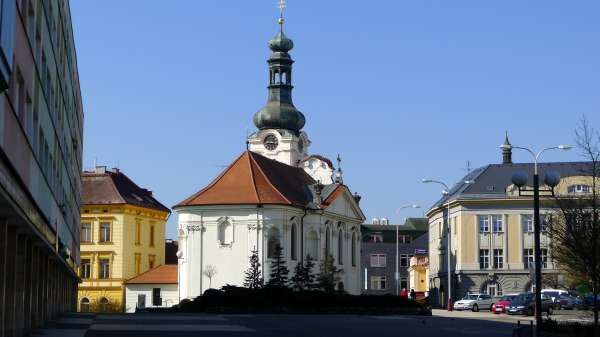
x=519 y=178
x=552 y=178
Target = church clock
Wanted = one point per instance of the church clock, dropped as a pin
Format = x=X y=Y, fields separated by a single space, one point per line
x=270 y=142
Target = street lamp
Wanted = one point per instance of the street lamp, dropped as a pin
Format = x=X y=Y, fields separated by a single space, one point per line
x=446 y=192
x=536 y=224
x=397 y=232
x=179 y=262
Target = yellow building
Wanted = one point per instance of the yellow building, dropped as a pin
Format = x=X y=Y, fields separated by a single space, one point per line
x=418 y=273
x=122 y=235
x=491 y=229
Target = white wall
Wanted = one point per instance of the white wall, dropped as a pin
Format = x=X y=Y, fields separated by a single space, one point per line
x=169 y=294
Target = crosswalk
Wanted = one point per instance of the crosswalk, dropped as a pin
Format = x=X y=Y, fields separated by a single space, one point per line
x=89 y=325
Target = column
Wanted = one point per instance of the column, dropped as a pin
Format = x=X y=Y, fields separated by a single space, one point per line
x=20 y=284
x=11 y=279
x=29 y=274
x=35 y=275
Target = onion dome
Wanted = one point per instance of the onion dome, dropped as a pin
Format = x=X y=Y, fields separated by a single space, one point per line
x=281 y=43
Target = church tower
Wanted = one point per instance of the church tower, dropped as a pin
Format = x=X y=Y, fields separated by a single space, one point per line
x=279 y=123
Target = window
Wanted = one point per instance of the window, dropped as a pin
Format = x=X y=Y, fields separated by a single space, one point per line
x=403 y=283
x=353 y=249
x=156 y=300
x=403 y=260
x=498 y=259
x=378 y=260
x=527 y=222
x=378 y=282
x=497 y=223
x=138 y=232
x=312 y=244
x=579 y=188
x=327 y=241
x=544 y=258
x=105 y=232
x=528 y=258
x=544 y=221
x=404 y=239
x=376 y=238
x=484 y=258
x=484 y=223
x=293 y=242
x=340 y=252
x=138 y=263
x=151 y=261
x=86 y=232
x=86 y=268
x=84 y=305
x=103 y=304
x=152 y=236
x=104 y=268
x=225 y=233
x=272 y=243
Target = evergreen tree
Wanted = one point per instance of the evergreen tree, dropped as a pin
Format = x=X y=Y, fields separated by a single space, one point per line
x=278 y=276
x=328 y=274
x=303 y=276
x=253 y=278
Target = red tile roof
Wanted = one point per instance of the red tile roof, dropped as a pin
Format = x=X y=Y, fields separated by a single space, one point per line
x=163 y=274
x=254 y=179
x=114 y=187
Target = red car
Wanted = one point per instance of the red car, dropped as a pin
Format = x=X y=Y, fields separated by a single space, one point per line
x=501 y=304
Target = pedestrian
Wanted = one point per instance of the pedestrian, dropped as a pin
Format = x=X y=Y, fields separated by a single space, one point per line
x=413 y=295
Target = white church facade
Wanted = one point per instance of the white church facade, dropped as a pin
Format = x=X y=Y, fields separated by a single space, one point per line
x=274 y=193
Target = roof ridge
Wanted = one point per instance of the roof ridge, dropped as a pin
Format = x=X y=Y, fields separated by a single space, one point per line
x=267 y=178
x=211 y=184
x=250 y=160
x=144 y=273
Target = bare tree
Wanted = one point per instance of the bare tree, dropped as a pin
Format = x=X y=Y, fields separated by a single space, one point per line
x=209 y=271
x=575 y=233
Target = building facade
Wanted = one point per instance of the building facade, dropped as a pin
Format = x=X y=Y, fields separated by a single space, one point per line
x=491 y=229
x=41 y=137
x=155 y=288
x=122 y=235
x=274 y=193
x=378 y=250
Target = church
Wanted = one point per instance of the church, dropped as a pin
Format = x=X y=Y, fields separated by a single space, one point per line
x=274 y=193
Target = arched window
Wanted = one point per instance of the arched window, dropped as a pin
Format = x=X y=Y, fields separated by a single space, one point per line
x=225 y=233
x=272 y=242
x=293 y=242
x=103 y=304
x=353 y=250
x=312 y=245
x=327 y=241
x=84 y=305
x=341 y=247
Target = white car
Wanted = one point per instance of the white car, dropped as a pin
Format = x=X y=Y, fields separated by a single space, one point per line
x=474 y=302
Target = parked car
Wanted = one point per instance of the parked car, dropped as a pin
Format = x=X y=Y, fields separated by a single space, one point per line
x=524 y=304
x=474 y=302
x=501 y=303
x=554 y=295
x=569 y=302
x=588 y=302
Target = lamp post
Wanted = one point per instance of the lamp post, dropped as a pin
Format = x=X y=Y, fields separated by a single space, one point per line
x=536 y=225
x=446 y=192
x=179 y=261
x=397 y=275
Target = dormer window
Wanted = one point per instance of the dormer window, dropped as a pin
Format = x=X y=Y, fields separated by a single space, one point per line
x=579 y=188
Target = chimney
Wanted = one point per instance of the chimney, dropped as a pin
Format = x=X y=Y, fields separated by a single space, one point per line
x=100 y=169
x=506 y=151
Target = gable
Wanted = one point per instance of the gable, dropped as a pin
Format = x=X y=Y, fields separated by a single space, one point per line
x=345 y=205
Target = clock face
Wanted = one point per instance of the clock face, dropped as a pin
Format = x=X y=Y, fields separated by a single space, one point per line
x=270 y=142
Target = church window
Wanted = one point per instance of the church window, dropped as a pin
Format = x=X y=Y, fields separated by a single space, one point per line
x=341 y=247
x=353 y=249
x=293 y=242
x=312 y=244
x=225 y=233
x=272 y=242
x=327 y=241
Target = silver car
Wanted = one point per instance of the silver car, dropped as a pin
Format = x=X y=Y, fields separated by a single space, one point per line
x=474 y=302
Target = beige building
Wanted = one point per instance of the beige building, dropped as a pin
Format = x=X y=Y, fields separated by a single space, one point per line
x=491 y=229
x=122 y=236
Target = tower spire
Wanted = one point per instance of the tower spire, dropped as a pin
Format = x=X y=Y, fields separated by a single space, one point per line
x=506 y=151
x=281 y=5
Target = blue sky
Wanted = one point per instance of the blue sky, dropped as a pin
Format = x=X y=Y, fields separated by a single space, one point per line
x=402 y=89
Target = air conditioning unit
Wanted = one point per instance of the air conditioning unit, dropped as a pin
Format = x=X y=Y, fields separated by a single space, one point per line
x=385 y=221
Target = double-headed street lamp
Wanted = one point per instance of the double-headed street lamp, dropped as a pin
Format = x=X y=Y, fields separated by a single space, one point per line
x=446 y=192
x=397 y=275
x=536 y=225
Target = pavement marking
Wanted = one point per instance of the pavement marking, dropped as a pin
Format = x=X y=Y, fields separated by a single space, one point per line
x=62 y=332
x=69 y=320
x=134 y=317
x=170 y=328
